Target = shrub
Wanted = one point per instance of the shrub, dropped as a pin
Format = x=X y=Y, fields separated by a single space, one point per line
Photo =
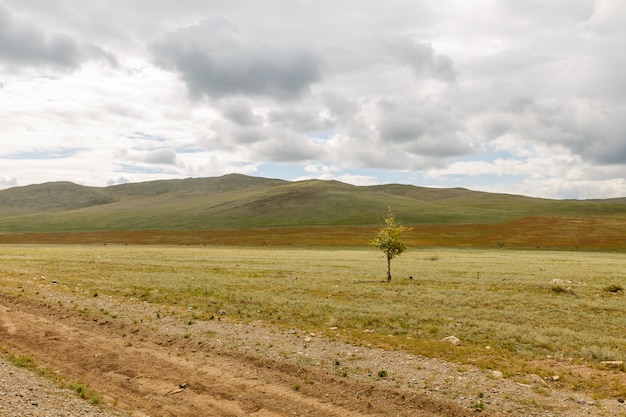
x=557 y=289
x=614 y=288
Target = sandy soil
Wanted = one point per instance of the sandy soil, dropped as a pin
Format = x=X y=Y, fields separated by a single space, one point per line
x=149 y=364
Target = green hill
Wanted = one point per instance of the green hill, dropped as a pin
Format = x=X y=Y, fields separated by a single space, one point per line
x=239 y=201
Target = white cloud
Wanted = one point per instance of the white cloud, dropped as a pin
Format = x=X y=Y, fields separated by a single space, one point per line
x=527 y=97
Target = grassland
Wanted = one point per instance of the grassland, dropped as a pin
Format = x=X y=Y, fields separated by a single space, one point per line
x=514 y=310
x=605 y=233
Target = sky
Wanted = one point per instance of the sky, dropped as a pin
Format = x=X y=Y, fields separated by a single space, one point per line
x=516 y=96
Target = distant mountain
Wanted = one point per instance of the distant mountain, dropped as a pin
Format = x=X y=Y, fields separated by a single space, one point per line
x=239 y=201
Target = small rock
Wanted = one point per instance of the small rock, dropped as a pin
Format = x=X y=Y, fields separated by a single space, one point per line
x=221 y=313
x=620 y=400
x=453 y=340
x=497 y=374
x=176 y=391
x=555 y=378
x=613 y=364
x=536 y=379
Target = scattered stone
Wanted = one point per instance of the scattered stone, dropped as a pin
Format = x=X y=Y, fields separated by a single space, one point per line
x=555 y=378
x=536 y=379
x=453 y=340
x=497 y=374
x=620 y=400
x=221 y=313
x=613 y=364
x=583 y=401
x=176 y=391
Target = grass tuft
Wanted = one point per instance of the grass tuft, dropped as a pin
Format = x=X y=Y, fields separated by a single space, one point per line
x=86 y=393
x=614 y=288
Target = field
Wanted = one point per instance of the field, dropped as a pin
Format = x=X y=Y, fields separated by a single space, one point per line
x=518 y=312
x=581 y=233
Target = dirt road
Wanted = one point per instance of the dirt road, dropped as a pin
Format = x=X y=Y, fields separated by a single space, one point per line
x=147 y=374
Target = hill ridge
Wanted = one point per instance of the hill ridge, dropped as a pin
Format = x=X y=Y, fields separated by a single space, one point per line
x=242 y=201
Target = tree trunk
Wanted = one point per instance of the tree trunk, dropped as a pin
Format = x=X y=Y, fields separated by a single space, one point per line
x=388 y=269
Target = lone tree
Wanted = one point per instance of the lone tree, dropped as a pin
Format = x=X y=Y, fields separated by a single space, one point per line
x=388 y=240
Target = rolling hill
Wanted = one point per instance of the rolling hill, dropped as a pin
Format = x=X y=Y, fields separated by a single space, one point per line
x=242 y=202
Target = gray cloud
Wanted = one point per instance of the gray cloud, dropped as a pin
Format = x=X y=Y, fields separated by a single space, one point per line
x=340 y=107
x=248 y=135
x=160 y=157
x=306 y=121
x=547 y=14
x=286 y=147
x=233 y=136
x=423 y=59
x=23 y=44
x=423 y=128
x=592 y=131
x=600 y=134
x=216 y=59
x=8 y=182
x=240 y=113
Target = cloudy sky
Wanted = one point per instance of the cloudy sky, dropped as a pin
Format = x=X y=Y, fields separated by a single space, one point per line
x=516 y=96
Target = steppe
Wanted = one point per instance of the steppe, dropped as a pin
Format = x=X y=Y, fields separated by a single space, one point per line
x=242 y=296
x=231 y=331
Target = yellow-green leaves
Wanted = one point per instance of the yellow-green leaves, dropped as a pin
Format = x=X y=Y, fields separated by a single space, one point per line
x=388 y=240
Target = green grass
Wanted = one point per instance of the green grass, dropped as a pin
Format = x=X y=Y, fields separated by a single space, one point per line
x=523 y=305
x=86 y=393
x=82 y=390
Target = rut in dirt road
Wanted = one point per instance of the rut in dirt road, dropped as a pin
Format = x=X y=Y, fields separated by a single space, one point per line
x=132 y=367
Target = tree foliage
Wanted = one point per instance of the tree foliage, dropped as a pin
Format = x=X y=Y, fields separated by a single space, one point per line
x=388 y=240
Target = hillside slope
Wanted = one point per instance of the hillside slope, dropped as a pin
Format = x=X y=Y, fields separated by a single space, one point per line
x=50 y=197
x=239 y=201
